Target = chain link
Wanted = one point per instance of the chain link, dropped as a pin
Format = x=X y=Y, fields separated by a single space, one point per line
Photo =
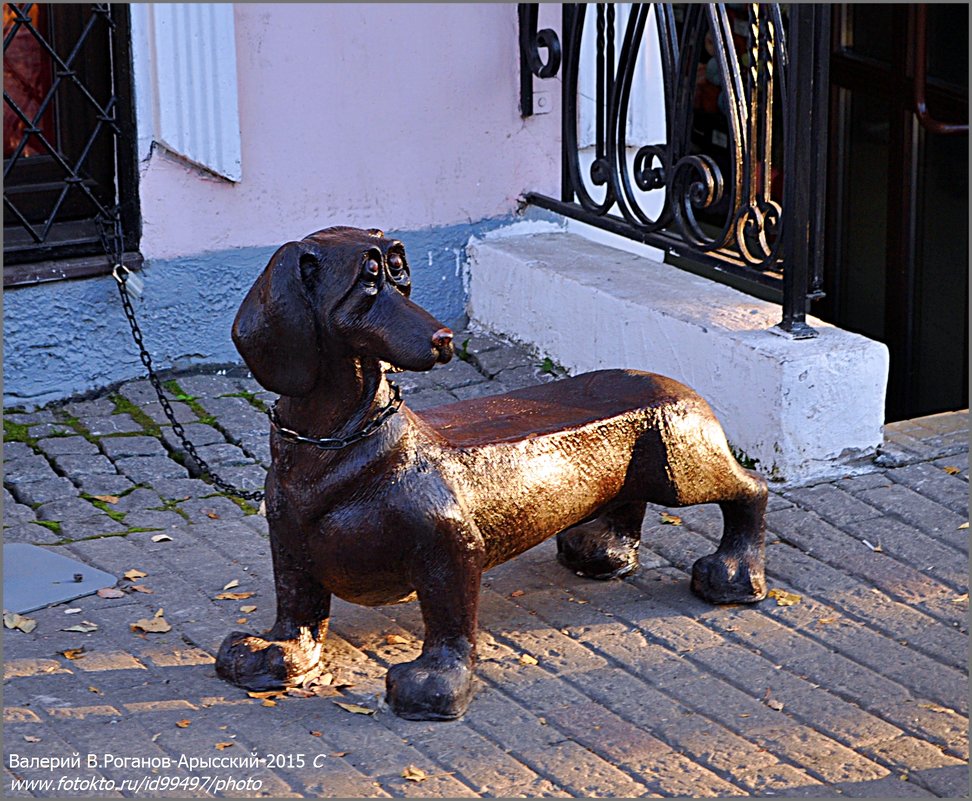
x=336 y=443
x=113 y=250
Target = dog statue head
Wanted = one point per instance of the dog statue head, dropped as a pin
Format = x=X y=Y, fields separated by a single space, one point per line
x=339 y=293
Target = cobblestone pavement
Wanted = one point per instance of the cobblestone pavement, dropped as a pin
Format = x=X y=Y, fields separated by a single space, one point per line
x=621 y=688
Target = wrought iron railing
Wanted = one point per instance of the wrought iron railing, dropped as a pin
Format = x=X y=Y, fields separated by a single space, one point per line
x=735 y=179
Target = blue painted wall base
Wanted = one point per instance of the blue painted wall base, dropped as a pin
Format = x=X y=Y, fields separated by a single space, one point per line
x=69 y=338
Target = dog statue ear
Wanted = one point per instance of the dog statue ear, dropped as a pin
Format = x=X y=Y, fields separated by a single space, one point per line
x=274 y=330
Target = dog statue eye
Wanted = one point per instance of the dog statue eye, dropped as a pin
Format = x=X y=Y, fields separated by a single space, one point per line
x=396 y=267
x=372 y=269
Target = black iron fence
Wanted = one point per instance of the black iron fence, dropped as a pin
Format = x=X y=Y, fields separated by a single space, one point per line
x=732 y=174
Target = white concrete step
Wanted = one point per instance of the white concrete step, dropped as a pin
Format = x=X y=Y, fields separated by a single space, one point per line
x=799 y=410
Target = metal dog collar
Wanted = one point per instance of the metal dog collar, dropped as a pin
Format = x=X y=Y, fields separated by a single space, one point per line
x=336 y=443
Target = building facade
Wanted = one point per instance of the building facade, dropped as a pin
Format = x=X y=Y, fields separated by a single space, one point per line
x=187 y=142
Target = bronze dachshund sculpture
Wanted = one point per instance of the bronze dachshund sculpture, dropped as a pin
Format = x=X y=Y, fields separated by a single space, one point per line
x=377 y=507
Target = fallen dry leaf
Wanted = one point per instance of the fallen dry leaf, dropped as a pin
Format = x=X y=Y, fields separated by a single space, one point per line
x=395 y=639
x=134 y=574
x=935 y=708
x=265 y=693
x=112 y=499
x=184 y=723
x=161 y=538
x=516 y=593
x=268 y=702
x=230 y=584
x=325 y=678
x=212 y=515
x=952 y=471
x=964 y=525
x=670 y=520
x=234 y=596
x=414 y=774
x=84 y=627
x=247 y=609
x=963 y=598
x=771 y=702
x=221 y=746
x=140 y=588
x=12 y=620
x=826 y=621
x=526 y=659
x=155 y=625
x=300 y=692
x=95 y=690
x=339 y=754
x=109 y=592
x=357 y=709
x=315 y=733
x=784 y=598
x=30 y=738
x=73 y=653
x=241 y=620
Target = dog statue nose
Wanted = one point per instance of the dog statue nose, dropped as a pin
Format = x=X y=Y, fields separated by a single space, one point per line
x=442 y=338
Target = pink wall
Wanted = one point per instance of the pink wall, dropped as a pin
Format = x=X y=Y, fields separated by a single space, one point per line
x=399 y=116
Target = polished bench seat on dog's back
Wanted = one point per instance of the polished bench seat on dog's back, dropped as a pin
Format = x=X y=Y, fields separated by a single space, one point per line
x=548 y=408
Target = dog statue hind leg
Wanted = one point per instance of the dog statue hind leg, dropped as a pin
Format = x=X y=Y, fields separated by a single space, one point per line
x=699 y=468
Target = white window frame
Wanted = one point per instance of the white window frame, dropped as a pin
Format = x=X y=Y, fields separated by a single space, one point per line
x=186 y=93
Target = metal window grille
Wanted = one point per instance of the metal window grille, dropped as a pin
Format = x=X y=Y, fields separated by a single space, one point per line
x=69 y=158
x=750 y=208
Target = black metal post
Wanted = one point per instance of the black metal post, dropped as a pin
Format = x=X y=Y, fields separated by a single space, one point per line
x=821 y=136
x=799 y=251
x=571 y=16
x=527 y=16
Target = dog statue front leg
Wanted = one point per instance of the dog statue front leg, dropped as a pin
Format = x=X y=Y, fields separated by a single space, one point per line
x=292 y=651
x=439 y=684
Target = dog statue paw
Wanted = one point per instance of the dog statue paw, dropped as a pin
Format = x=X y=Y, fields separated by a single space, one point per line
x=726 y=578
x=260 y=664
x=376 y=504
x=436 y=686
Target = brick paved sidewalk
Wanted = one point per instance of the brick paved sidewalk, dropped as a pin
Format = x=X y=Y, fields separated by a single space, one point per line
x=622 y=688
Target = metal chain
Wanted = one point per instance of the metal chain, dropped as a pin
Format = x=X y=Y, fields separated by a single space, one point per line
x=113 y=250
x=336 y=443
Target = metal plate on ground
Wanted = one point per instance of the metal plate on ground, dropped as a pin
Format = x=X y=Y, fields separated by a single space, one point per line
x=34 y=577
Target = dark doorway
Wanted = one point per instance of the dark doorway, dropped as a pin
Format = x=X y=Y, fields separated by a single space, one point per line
x=898 y=206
